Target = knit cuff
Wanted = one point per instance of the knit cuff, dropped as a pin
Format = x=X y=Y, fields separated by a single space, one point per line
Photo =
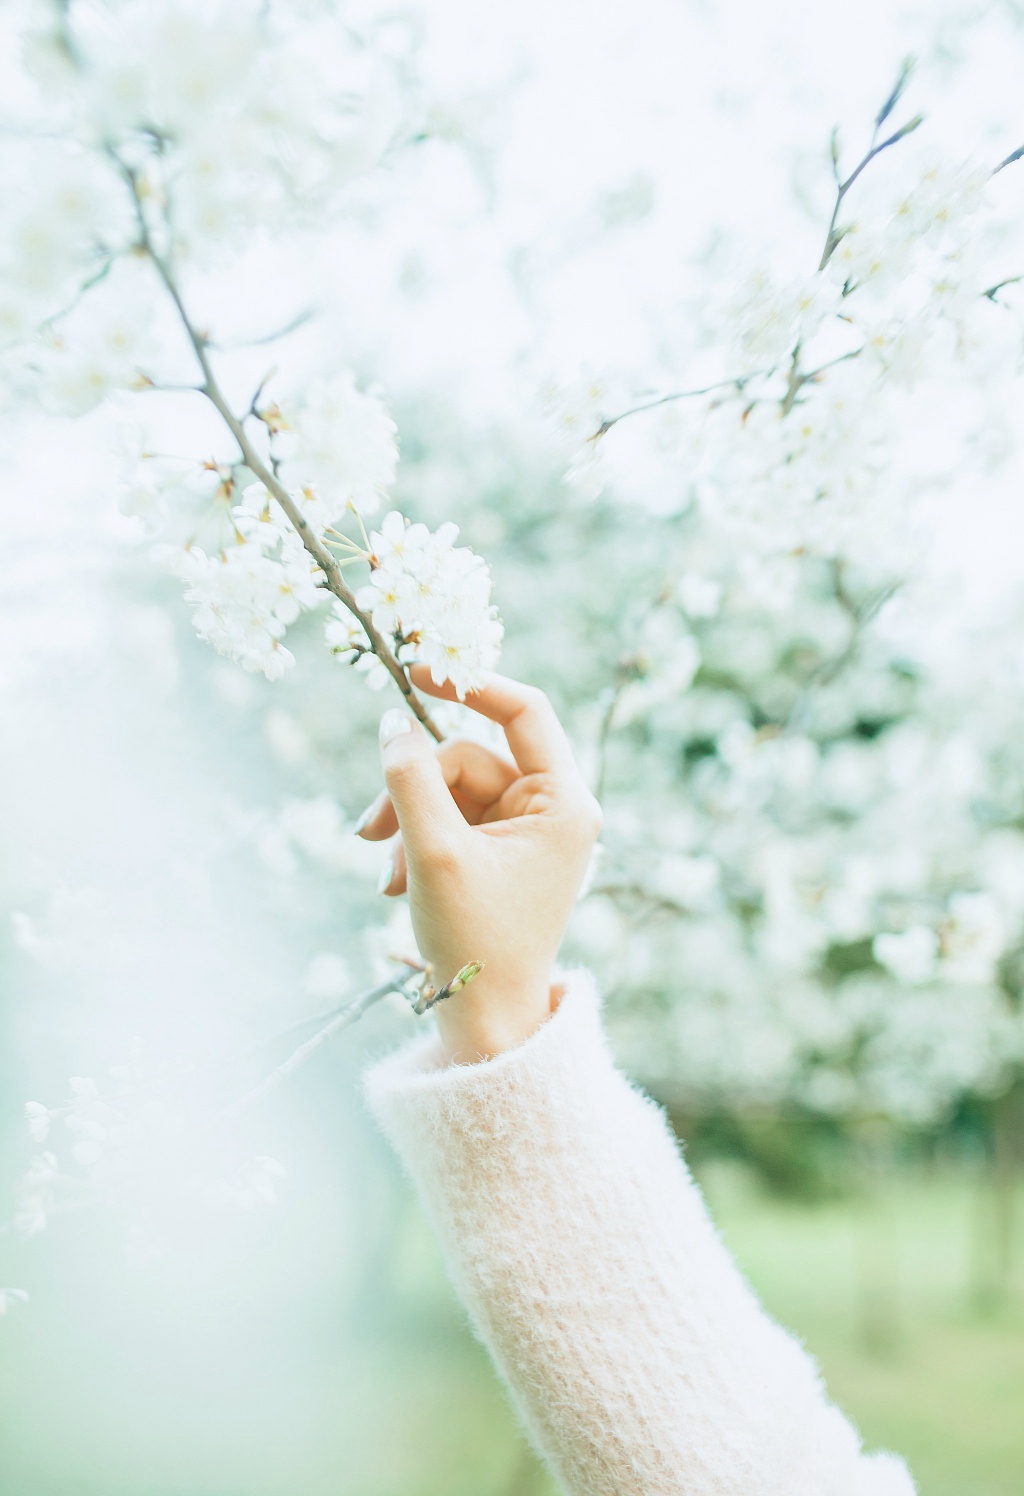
x=884 y=1475
x=418 y=1081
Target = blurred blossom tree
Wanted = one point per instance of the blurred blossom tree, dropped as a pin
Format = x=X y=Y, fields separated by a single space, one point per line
x=818 y=897
x=811 y=886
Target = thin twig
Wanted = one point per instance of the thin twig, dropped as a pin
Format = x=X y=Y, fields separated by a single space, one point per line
x=629 y=669
x=429 y=998
x=233 y=344
x=1010 y=159
x=637 y=893
x=738 y=384
x=212 y=391
x=860 y=617
x=1011 y=280
x=834 y=235
x=341 y=1019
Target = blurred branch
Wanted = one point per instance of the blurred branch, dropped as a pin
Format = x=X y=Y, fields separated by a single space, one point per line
x=627 y=671
x=1011 y=280
x=736 y=384
x=636 y=893
x=835 y=235
x=860 y=615
x=341 y=1018
x=1010 y=159
x=299 y=320
x=210 y=388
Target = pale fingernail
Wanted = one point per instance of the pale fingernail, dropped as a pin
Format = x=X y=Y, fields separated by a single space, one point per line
x=393 y=723
x=387 y=872
x=367 y=815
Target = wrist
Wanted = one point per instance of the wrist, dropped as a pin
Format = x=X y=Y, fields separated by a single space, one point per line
x=484 y=1020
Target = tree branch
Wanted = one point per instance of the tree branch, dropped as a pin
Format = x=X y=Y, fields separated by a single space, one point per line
x=1010 y=159
x=211 y=389
x=343 y=1018
x=834 y=235
x=738 y=384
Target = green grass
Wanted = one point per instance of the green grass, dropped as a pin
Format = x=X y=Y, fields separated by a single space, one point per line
x=918 y=1329
x=181 y=1378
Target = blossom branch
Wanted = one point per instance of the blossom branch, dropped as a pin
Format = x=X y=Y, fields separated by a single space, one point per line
x=835 y=234
x=211 y=389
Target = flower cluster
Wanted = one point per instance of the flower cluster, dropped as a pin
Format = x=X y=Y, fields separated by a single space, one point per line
x=826 y=905
x=433 y=598
x=177 y=167
x=802 y=435
x=245 y=598
x=336 y=446
x=235 y=113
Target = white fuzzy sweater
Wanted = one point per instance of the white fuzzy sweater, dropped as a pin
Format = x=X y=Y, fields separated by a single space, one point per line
x=639 y=1358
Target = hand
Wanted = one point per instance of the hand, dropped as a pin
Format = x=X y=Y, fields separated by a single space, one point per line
x=492 y=854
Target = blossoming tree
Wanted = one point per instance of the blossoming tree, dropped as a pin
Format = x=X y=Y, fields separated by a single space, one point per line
x=811 y=889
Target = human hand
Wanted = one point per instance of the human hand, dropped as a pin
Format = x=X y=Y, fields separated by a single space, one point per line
x=492 y=854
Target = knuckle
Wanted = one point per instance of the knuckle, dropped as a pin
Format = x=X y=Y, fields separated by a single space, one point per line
x=438 y=858
x=536 y=700
x=583 y=818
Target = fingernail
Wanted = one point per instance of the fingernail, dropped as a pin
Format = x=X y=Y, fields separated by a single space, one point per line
x=367 y=815
x=387 y=872
x=393 y=723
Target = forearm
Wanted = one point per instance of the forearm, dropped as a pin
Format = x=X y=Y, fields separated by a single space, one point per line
x=638 y=1355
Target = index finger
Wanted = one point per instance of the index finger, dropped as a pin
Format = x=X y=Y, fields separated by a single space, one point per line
x=535 y=735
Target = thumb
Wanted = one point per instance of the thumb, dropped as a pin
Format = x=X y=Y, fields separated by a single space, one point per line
x=428 y=818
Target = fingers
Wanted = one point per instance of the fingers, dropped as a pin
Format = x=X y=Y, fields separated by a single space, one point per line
x=475 y=777
x=431 y=824
x=535 y=735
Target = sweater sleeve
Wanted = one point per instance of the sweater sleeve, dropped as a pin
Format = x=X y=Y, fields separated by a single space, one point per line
x=637 y=1354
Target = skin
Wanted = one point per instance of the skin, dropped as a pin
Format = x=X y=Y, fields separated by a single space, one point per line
x=492 y=853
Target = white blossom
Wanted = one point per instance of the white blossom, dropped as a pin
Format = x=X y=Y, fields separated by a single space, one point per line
x=245 y=598
x=973 y=938
x=910 y=956
x=433 y=598
x=699 y=597
x=104 y=343
x=768 y=320
x=340 y=443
